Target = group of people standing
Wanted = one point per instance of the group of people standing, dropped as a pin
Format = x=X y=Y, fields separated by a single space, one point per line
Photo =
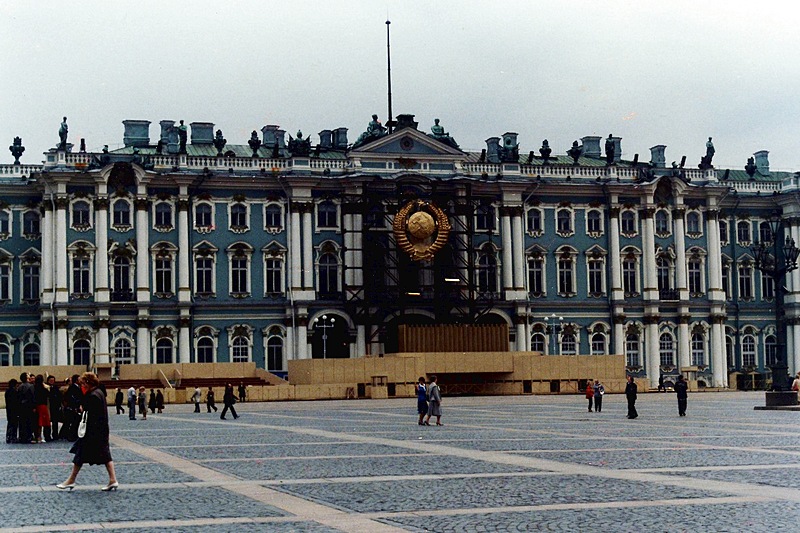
x=38 y=411
x=595 y=392
x=228 y=399
x=138 y=397
x=429 y=402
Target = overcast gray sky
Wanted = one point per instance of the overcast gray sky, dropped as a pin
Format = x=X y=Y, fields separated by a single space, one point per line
x=667 y=72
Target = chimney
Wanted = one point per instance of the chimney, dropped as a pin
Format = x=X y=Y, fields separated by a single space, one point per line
x=280 y=137
x=762 y=162
x=617 y=148
x=268 y=133
x=493 y=149
x=657 y=157
x=405 y=121
x=202 y=132
x=340 y=138
x=591 y=146
x=166 y=128
x=326 y=139
x=137 y=133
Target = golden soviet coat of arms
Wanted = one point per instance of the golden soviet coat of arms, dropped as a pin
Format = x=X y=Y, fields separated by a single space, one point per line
x=421 y=229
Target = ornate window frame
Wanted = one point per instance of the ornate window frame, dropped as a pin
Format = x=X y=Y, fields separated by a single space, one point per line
x=633 y=346
x=24 y=219
x=485 y=218
x=163 y=333
x=724 y=235
x=158 y=225
x=596 y=255
x=6 y=277
x=666 y=221
x=600 y=231
x=271 y=228
x=206 y=332
x=30 y=258
x=337 y=226
x=566 y=255
x=78 y=334
x=205 y=228
x=83 y=250
x=744 y=240
x=239 y=228
x=628 y=216
x=243 y=331
x=696 y=254
x=238 y=251
x=746 y=282
x=122 y=227
x=269 y=333
x=536 y=253
x=6 y=232
x=274 y=251
x=541 y=218
x=7 y=345
x=328 y=247
x=694 y=214
x=569 y=218
x=78 y=225
x=627 y=255
x=204 y=249
x=163 y=251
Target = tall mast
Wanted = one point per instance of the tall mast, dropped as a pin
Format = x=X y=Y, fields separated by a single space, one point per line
x=389 y=121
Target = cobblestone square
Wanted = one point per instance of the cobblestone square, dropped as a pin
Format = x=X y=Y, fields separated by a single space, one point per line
x=498 y=464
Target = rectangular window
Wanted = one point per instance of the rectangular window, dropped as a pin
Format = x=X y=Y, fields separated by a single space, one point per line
x=163 y=273
x=239 y=275
x=595 y=278
x=80 y=275
x=745 y=282
x=565 y=277
x=272 y=275
x=30 y=282
x=204 y=275
x=767 y=287
x=629 y=277
x=534 y=220
x=5 y=282
x=594 y=222
x=726 y=281
x=695 y=277
x=536 y=276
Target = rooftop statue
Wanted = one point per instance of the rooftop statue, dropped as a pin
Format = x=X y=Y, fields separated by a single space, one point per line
x=255 y=143
x=299 y=146
x=509 y=151
x=705 y=161
x=438 y=133
x=751 y=167
x=374 y=131
x=574 y=152
x=545 y=151
x=181 y=137
x=610 y=150
x=63 y=130
x=219 y=142
x=16 y=149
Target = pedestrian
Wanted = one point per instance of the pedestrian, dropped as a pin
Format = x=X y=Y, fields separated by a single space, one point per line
x=142 y=403
x=228 y=399
x=242 y=392
x=118 y=399
x=27 y=409
x=92 y=448
x=422 y=400
x=796 y=386
x=55 y=399
x=435 y=403
x=589 y=393
x=152 y=403
x=681 y=389
x=630 y=394
x=160 y=401
x=661 y=387
x=210 y=400
x=599 y=391
x=132 y=402
x=196 y=397
x=41 y=395
x=72 y=404
x=12 y=412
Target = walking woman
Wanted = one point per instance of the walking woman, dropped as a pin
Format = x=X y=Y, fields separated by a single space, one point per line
x=422 y=400
x=228 y=399
x=210 y=400
x=160 y=401
x=435 y=399
x=41 y=395
x=589 y=393
x=92 y=448
x=152 y=403
x=143 y=403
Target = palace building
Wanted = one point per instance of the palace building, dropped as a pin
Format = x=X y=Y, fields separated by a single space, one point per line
x=186 y=248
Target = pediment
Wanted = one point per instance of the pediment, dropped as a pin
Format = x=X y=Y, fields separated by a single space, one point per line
x=407 y=142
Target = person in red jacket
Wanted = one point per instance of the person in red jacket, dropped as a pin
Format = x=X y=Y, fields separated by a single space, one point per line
x=589 y=393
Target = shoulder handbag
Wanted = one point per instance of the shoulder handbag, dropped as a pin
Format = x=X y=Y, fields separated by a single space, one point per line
x=82 y=425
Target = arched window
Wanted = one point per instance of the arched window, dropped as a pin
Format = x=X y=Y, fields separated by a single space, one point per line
x=5 y=355
x=662 y=222
x=122 y=279
x=743 y=232
x=5 y=223
x=487 y=272
x=121 y=213
x=123 y=354
x=538 y=343
x=238 y=216
x=203 y=216
x=205 y=350
x=765 y=232
x=693 y=223
x=598 y=344
x=632 y=350
x=30 y=355
x=328 y=273
x=723 y=231
x=163 y=215
x=698 y=349
x=564 y=221
x=240 y=352
x=628 y=223
x=534 y=221
x=569 y=346
x=163 y=351
x=326 y=215
x=30 y=224
x=275 y=354
x=594 y=222
x=770 y=350
x=80 y=215
x=666 y=348
x=748 y=350
x=81 y=351
x=272 y=216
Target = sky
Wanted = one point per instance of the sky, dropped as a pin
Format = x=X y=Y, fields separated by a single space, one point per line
x=669 y=72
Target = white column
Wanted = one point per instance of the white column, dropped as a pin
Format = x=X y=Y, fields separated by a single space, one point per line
x=374 y=344
x=680 y=253
x=796 y=353
x=522 y=344
x=619 y=338
x=184 y=342
x=102 y=339
x=653 y=356
x=46 y=349
x=347 y=220
x=361 y=340
x=650 y=285
x=142 y=252
x=614 y=254
x=358 y=255
x=719 y=367
x=142 y=345
x=308 y=250
x=295 y=250
x=62 y=286
x=684 y=345
x=61 y=344
x=302 y=341
x=48 y=261
x=184 y=253
x=101 y=253
x=520 y=265
x=715 y=292
x=508 y=265
x=290 y=352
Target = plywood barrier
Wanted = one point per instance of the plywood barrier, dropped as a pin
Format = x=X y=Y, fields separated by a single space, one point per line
x=453 y=338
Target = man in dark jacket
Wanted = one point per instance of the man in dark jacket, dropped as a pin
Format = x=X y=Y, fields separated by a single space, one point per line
x=630 y=394
x=27 y=405
x=72 y=402
x=681 y=389
x=54 y=402
x=12 y=412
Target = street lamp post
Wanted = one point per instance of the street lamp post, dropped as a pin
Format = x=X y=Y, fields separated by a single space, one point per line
x=776 y=263
x=553 y=328
x=324 y=324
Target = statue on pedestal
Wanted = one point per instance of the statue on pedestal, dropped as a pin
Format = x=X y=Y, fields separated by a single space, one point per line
x=299 y=146
x=574 y=152
x=438 y=133
x=610 y=150
x=545 y=151
x=16 y=149
x=705 y=161
x=63 y=130
x=182 y=138
x=374 y=131
x=255 y=143
x=219 y=142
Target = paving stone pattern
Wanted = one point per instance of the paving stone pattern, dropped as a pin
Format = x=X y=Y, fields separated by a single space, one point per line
x=498 y=464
